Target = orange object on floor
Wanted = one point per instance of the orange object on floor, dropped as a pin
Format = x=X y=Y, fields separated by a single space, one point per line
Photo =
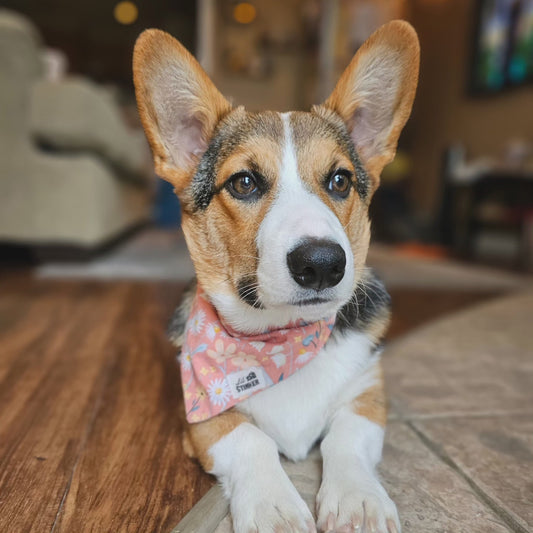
x=426 y=251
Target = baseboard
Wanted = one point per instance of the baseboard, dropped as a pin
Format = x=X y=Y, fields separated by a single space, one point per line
x=35 y=254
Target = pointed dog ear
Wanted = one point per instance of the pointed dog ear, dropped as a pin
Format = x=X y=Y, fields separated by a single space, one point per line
x=375 y=93
x=178 y=104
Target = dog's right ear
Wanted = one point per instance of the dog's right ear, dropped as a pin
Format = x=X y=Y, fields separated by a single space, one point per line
x=178 y=104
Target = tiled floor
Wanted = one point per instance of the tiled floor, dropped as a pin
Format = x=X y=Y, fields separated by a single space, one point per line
x=458 y=456
x=463 y=387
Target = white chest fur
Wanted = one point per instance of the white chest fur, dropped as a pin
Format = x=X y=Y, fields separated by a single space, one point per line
x=296 y=411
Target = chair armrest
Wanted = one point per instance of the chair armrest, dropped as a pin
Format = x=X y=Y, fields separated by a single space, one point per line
x=78 y=115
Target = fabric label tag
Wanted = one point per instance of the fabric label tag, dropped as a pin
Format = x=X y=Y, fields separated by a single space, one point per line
x=246 y=381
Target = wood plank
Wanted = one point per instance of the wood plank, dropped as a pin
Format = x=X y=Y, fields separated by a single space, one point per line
x=52 y=365
x=496 y=454
x=132 y=474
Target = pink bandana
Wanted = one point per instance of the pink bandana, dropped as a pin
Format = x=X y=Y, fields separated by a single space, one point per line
x=220 y=369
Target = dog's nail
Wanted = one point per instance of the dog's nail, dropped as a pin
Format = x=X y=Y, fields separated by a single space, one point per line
x=356 y=523
x=347 y=528
x=391 y=526
x=330 y=523
x=311 y=527
x=372 y=525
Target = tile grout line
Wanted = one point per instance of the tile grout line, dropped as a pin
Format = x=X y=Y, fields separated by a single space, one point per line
x=501 y=512
x=407 y=418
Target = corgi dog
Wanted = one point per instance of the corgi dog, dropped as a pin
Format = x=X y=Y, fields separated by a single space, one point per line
x=281 y=333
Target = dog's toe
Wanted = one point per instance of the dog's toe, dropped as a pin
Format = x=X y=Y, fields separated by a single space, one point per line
x=272 y=509
x=345 y=506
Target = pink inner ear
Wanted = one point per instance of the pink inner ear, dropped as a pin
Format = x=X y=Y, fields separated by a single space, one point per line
x=187 y=143
x=369 y=127
x=363 y=131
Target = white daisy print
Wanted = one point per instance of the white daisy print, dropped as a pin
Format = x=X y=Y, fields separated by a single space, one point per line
x=197 y=322
x=210 y=331
x=219 y=392
x=186 y=361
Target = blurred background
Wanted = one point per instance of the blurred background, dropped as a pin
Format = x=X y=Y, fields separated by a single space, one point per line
x=77 y=191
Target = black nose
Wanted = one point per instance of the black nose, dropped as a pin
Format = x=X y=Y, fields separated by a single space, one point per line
x=317 y=263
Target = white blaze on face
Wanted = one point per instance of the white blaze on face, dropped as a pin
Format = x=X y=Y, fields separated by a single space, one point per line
x=296 y=214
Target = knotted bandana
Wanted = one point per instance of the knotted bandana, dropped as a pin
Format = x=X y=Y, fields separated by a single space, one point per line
x=220 y=369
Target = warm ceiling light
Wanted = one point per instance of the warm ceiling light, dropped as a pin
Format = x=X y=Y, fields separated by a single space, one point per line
x=126 y=12
x=244 y=13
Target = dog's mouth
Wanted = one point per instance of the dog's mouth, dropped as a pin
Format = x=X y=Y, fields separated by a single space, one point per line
x=248 y=290
x=316 y=300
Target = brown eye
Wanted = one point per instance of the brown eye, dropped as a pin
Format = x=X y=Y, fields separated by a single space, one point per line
x=339 y=184
x=243 y=186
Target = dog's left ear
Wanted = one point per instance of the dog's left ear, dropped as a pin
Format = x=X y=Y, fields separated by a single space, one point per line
x=178 y=104
x=375 y=93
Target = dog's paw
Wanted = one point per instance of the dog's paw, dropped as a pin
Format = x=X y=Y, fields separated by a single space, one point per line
x=270 y=507
x=356 y=504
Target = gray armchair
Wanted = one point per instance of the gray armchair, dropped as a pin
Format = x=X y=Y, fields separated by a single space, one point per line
x=89 y=188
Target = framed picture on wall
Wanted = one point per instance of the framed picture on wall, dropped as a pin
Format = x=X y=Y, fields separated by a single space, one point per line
x=503 y=45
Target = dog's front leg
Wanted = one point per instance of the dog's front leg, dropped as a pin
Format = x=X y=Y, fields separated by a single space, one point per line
x=246 y=462
x=351 y=497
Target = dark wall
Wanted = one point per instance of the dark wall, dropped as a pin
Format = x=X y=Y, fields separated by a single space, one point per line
x=95 y=43
x=444 y=112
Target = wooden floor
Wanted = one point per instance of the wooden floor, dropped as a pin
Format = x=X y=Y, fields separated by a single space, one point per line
x=90 y=410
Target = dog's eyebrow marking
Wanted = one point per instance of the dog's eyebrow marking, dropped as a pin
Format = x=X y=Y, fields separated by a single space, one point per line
x=362 y=183
x=231 y=132
x=203 y=187
x=305 y=125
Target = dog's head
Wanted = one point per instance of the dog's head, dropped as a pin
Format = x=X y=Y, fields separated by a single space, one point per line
x=275 y=205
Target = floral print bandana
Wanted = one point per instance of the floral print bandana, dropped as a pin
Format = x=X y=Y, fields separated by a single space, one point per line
x=219 y=368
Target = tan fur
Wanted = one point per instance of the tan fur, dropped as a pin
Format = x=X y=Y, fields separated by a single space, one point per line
x=152 y=48
x=200 y=437
x=371 y=404
x=396 y=37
